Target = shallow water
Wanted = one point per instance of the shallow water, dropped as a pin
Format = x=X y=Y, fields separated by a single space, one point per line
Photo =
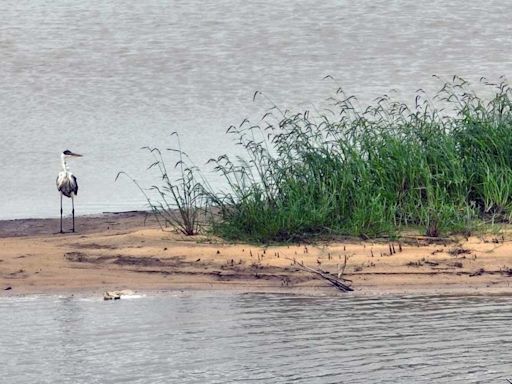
x=263 y=338
x=104 y=78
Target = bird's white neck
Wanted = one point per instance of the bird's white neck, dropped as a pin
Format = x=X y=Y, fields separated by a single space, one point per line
x=63 y=162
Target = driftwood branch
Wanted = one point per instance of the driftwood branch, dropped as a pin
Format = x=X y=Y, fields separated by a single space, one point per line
x=338 y=283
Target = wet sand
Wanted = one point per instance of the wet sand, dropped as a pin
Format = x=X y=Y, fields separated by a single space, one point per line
x=129 y=251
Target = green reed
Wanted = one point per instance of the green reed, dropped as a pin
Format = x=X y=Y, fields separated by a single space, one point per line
x=438 y=165
x=178 y=201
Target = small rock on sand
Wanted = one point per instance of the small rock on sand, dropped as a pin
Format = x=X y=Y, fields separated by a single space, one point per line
x=116 y=295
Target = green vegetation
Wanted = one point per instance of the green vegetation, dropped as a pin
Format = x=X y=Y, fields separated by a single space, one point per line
x=176 y=202
x=440 y=166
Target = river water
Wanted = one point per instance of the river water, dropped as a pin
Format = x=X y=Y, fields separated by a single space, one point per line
x=260 y=338
x=104 y=77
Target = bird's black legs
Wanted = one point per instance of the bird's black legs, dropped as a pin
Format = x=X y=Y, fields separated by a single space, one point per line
x=61 y=231
x=73 y=210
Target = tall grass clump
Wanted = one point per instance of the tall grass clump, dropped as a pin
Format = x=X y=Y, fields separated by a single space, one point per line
x=178 y=201
x=437 y=165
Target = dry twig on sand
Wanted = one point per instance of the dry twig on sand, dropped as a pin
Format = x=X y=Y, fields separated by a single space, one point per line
x=338 y=283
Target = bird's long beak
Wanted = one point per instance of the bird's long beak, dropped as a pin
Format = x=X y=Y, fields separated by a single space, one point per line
x=75 y=154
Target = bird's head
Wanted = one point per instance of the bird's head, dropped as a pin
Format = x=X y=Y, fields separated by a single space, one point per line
x=68 y=154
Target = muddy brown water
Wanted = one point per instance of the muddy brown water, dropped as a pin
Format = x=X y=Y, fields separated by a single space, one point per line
x=261 y=338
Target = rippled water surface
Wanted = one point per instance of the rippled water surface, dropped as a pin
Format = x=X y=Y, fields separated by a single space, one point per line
x=237 y=338
x=105 y=77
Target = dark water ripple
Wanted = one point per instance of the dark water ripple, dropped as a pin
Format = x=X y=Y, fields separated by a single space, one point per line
x=234 y=338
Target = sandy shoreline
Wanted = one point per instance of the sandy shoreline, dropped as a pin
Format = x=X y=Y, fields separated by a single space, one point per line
x=129 y=251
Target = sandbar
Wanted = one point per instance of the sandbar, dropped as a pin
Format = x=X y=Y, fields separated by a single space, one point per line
x=116 y=251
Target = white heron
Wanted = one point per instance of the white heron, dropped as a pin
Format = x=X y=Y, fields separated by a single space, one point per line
x=67 y=184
